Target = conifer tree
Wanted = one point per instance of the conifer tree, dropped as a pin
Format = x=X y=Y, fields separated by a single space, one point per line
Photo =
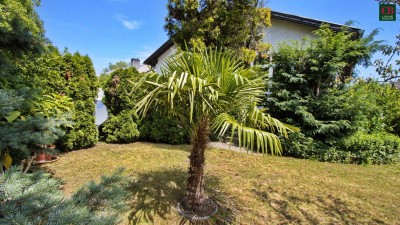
x=36 y=198
x=234 y=24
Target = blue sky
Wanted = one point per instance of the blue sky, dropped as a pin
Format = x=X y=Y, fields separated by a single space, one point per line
x=115 y=30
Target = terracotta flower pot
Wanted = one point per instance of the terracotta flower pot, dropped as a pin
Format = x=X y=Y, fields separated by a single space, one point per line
x=41 y=157
x=48 y=157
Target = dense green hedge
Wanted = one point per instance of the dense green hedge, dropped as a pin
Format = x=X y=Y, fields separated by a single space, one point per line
x=359 y=148
x=378 y=148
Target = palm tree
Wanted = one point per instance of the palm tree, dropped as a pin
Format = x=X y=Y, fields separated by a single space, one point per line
x=212 y=89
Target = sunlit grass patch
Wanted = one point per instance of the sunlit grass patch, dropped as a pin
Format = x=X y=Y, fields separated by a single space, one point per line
x=249 y=189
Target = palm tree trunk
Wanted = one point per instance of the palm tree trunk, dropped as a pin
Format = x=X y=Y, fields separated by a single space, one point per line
x=195 y=183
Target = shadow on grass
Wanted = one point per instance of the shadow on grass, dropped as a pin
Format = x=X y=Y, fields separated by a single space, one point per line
x=156 y=194
x=328 y=209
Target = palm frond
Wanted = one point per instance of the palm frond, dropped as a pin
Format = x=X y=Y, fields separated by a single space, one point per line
x=259 y=118
x=247 y=136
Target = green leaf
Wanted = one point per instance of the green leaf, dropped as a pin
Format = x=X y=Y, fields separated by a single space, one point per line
x=12 y=116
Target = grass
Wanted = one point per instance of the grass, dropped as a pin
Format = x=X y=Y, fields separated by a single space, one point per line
x=249 y=189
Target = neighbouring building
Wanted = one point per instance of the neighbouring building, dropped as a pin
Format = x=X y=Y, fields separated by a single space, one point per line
x=141 y=68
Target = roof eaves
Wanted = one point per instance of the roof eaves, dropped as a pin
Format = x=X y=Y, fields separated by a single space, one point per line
x=311 y=22
x=152 y=59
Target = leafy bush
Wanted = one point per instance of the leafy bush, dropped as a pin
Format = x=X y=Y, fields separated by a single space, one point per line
x=37 y=199
x=121 y=128
x=310 y=90
x=359 y=148
x=120 y=93
x=299 y=146
x=379 y=148
x=373 y=107
x=159 y=127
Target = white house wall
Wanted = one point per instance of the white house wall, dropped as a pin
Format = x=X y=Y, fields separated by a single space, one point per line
x=282 y=30
x=162 y=58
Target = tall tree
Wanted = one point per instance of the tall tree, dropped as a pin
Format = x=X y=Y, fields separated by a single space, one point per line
x=235 y=24
x=118 y=65
x=21 y=29
x=21 y=34
x=389 y=69
x=211 y=89
x=30 y=122
x=82 y=87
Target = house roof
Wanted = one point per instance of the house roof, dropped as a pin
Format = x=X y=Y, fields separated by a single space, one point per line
x=312 y=22
x=152 y=59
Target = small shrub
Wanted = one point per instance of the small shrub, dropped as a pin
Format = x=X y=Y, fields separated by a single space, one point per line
x=378 y=148
x=83 y=133
x=159 y=127
x=335 y=155
x=121 y=128
x=299 y=146
x=36 y=198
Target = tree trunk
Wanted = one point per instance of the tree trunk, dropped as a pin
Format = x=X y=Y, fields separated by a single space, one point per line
x=195 y=183
x=28 y=163
x=317 y=89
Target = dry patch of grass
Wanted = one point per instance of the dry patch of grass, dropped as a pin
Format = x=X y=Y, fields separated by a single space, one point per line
x=249 y=189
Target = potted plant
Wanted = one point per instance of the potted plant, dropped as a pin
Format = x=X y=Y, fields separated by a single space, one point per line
x=40 y=157
x=49 y=156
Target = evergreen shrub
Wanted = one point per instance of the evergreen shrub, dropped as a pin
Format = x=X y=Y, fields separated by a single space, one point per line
x=299 y=146
x=82 y=134
x=121 y=128
x=36 y=198
x=82 y=87
x=120 y=93
x=159 y=127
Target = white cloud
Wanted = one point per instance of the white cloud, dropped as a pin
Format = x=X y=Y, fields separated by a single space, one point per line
x=129 y=24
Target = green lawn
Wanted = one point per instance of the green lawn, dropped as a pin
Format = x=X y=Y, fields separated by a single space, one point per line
x=249 y=189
